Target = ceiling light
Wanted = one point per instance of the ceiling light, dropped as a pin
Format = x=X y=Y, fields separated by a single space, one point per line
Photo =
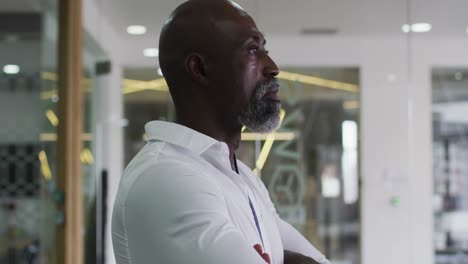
x=160 y=71
x=136 y=30
x=416 y=27
x=406 y=28
x=11 y=69
x=151 y=52
x=421 y=27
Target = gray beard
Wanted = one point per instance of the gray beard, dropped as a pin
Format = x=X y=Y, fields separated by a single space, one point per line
x=261 y=115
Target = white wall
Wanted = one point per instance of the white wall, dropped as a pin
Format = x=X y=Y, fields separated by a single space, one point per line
x=396 y=146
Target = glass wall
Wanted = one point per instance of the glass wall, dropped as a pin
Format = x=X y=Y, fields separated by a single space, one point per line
x=310 y=163
x=94 y=66
x=48 y=135
x=27 y=61
x=450 y=164
x=28 y=135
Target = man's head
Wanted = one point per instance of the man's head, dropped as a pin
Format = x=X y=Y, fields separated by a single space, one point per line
x=215 y=63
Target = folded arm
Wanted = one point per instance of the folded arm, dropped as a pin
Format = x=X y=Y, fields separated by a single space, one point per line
x=175 y=215
x=294 y=242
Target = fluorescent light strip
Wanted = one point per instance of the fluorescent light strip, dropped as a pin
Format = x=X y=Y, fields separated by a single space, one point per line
x=51 y=76
x=86 y=156
x=347 y=87
x=45 y=169
x=53 y=137
x=267 y=147
x=133 y=86
x=46 y=95
x=265 y=152
x=53 y=119
x=249 y=136
x=351 y=105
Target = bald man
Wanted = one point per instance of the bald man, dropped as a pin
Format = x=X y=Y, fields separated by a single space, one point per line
x=185 y=198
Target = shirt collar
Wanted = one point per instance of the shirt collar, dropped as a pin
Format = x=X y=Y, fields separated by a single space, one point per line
x=179 y=135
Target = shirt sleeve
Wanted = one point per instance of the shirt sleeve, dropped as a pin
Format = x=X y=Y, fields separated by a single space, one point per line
x=294 y=241
x=174 y=214
x=291 y=238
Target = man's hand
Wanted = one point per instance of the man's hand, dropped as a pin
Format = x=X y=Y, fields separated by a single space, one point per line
x=291 y=257
x=264 y=255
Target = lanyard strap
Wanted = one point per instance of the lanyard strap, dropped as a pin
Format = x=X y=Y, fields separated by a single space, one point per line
x=251 y=206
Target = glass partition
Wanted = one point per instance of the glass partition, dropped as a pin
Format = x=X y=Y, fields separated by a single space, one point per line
x=48 y=134
x=28 y=137
x=93 y=56
x=28 y=48
x=450 y=164
x=310 y=163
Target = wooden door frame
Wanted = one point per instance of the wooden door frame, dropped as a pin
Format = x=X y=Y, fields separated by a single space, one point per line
x=69 y=235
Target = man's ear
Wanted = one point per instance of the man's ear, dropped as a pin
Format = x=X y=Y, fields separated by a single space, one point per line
x=196 y=67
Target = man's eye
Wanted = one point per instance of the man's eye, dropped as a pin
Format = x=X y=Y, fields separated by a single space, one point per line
x=253 y=50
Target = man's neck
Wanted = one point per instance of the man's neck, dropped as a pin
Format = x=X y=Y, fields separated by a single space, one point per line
x=230 y=136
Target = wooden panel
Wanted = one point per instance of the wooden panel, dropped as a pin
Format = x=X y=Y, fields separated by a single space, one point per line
x=69 y=171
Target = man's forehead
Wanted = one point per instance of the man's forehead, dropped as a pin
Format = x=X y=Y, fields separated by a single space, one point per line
x=238 y=29
x=257 y=35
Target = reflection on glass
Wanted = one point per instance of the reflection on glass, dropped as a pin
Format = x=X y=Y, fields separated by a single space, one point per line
x=28 y=119
x=450 y=164
x=92 y=55
x=49 y=118
x=309 y=164
x=313 y=176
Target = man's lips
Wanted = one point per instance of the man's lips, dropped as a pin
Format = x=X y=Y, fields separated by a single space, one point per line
x=272 y=94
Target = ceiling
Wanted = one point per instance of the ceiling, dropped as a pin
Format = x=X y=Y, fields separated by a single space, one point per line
x=279 y=17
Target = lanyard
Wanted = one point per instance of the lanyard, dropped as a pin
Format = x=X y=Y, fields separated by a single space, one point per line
x=251 y=206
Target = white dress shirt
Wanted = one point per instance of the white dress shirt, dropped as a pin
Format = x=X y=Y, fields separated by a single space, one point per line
x=179 y=201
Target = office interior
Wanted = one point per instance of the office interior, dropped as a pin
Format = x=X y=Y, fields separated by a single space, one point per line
x=370 y=162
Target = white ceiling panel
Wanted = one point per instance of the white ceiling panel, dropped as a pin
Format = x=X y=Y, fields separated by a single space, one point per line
x=279 y=17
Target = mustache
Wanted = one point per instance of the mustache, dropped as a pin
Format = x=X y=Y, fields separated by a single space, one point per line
x=267 y=87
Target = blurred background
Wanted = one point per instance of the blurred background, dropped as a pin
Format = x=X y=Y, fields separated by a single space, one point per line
x=370 y=162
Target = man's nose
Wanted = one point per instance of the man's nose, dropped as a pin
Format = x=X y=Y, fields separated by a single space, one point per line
x=271 y=69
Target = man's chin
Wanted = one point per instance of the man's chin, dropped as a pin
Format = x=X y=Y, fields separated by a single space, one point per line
x=266 y=127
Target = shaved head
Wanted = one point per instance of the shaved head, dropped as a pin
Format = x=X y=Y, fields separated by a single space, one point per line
x=196 y=26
